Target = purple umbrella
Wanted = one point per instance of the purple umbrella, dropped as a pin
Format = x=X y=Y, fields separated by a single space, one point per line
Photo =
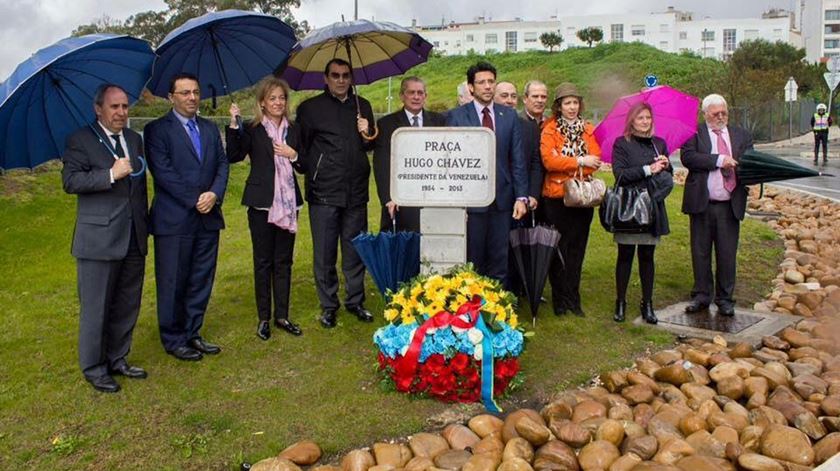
x=674 y=118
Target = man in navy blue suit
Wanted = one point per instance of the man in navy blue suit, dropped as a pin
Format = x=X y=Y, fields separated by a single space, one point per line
x=488 y=228
x=190 y=170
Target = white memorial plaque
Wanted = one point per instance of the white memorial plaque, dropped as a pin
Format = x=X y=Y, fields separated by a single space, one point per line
x=443 y=167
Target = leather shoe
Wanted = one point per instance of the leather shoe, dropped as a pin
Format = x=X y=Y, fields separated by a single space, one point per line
x=263 y=330
x=727 y=310
x=104 y=384
x=695 y=307
x=363 y=314
x=647 y=312
x=204 y=346
x=620 y=309
x=578 y=311
x=288 y=326
x=186 y=353
x=128 y=371
x=328 y=318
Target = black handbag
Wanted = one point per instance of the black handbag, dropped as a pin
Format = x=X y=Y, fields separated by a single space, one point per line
x=626 y=210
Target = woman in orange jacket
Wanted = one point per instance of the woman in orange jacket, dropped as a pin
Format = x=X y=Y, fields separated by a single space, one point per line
x=567 y=146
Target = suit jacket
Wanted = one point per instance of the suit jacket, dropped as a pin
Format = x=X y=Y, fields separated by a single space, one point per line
x=105 y=211
x=180 y=176
x=531 y=153
x=254 y=141
x=511 y=171
x=696 y=156
x=382 y=151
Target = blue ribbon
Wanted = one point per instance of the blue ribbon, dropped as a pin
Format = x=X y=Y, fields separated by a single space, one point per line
x=487 y=366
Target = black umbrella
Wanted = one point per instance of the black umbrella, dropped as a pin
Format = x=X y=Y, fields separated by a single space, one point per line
x=758 y=167
x=533 y=249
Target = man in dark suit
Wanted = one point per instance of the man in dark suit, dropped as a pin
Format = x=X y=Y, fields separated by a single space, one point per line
x=488 y=227
x=109 y=241
x=337 y=176
x=715 y=201
x=190 y=171
x=413 y=97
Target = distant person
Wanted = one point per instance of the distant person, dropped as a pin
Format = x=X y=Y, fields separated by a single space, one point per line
x=568 y=147
x=272 y=196
x=820 y=123
x=506 y=95
x=464 y=94
x=488 y=228
x=110 y=238
x=535 y=97
x=715 y=202
x=413 y=114
x=190 y=171
x=640 y=160
x=337 y=176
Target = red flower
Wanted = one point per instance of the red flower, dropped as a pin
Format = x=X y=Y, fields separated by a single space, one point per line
x=460 y=362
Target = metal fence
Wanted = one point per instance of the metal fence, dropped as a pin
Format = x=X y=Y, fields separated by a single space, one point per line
x=776 y=120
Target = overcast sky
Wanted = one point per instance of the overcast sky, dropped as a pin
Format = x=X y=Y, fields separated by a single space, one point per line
x=28 y=25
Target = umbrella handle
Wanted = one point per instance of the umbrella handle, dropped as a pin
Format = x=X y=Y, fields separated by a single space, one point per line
x=370 y=137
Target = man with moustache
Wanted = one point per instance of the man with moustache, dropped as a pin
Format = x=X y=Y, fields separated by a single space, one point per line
x=413 y=97
x=109 y=241
x=190 y=171
x=715 y=201
x=488 y=227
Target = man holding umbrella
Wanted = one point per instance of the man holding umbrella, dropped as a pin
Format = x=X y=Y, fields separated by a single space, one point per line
x=715 y=201
x=337 y=174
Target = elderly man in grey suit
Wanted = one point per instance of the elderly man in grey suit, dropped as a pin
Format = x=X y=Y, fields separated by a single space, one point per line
x=109 y=241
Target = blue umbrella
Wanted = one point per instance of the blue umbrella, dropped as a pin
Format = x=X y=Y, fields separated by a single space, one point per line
x=227 y=50
x=50 y=95
x=390 y=258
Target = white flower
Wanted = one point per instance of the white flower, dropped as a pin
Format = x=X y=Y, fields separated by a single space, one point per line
x=458 y=330
x=475 y=336
x=479 y=352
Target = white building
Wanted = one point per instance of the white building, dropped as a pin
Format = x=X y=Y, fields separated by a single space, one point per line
x=670 y=31
x=820 y=28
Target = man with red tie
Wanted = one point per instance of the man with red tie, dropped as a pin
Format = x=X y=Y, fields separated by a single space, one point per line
x=715 y=201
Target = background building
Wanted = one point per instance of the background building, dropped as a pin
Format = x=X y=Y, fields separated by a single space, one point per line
x=820 y=28
x=670 y=31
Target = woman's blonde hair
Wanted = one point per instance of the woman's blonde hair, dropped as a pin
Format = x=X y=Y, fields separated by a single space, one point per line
x=264 y=88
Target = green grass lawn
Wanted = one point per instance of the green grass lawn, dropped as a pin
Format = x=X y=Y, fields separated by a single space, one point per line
x=258 y=397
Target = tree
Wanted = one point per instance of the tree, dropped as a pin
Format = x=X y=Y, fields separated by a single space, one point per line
x=551 y=40
x=592 y=34
x=104 y=24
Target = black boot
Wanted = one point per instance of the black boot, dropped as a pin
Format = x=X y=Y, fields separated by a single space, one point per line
x=647 y=312
x=620 y=308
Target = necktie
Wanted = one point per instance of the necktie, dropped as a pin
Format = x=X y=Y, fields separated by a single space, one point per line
x=415 y=122
x=729 y=179
x=118 y=149
x=486 y=120
x=194 y=137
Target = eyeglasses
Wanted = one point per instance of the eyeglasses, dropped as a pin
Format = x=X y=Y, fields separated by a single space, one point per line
x=186 y=93
x=720 y=114
x=337 y=76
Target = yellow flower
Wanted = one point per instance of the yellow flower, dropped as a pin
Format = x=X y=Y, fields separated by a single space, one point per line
x=513 y=320
x=491 y=296
x=416 y=291
x=391 y=314
x=435 y=307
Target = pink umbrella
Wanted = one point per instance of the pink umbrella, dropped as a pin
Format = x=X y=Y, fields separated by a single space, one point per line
x=674 y=118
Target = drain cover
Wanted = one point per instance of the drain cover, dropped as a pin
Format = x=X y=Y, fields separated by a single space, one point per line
x=729 y=325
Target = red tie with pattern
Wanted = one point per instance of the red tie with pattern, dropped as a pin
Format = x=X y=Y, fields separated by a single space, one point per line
x=486 y=120
x=729 y=179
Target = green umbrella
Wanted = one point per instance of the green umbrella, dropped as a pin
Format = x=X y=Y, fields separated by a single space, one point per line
x=756 y=167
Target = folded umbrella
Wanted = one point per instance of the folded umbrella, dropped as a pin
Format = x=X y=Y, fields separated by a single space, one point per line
x=50 y=95
x=674 y=118
x=390 y=257
x=534 y=248
x=758 y=167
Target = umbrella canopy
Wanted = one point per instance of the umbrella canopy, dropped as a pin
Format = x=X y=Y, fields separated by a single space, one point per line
x=757 y=167
x=390 y=258
x=375 y=50
x=674 y=118
x=50 y=95
x=227 y=50
x=533 y=249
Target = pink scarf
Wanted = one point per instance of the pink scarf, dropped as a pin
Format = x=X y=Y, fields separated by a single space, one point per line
x=283 y=211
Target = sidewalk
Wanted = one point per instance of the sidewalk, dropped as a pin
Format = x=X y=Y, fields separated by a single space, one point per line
x=805 y=139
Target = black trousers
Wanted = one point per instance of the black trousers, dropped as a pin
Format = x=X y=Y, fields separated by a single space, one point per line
x=407 y=218
x=624 y=265
x=273 y=253
x=820 y=137
x=488 y=239
x=716 y=229
x=331 y=225
x=573 y=225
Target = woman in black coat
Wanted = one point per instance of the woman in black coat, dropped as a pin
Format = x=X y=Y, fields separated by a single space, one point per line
x=640 y=159
x=272 y=196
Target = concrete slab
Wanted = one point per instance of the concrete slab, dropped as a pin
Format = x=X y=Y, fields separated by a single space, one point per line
x=747 y=325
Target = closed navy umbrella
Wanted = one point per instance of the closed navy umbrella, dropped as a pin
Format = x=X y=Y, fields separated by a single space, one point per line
x=759 y=167
x=50 y=95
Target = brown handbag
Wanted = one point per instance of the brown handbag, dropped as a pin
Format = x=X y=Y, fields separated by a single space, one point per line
x=583 y=191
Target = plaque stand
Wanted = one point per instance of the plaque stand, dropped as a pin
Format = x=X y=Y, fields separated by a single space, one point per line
x=443 y=243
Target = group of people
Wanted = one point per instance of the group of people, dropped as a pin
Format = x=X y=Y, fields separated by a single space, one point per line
x=328 y=143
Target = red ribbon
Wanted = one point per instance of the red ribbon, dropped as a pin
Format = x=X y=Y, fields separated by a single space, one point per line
x=407 y=365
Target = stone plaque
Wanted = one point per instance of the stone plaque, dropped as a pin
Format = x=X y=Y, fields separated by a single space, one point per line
x=443 y=167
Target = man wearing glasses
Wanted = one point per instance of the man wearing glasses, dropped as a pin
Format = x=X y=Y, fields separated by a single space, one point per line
x=715 y=201
x=190 y=171
x=334 y=154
